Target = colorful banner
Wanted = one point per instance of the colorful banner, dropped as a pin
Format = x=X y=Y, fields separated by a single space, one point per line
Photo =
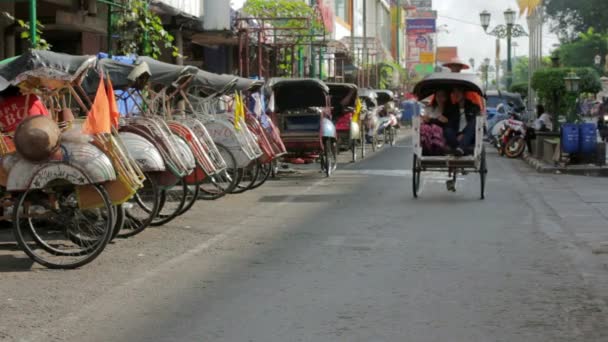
x=419 y=26
x=422 y=4
x=420 y=46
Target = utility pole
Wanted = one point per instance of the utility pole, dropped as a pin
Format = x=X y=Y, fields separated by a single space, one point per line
x=366 y=53
x=33 y=24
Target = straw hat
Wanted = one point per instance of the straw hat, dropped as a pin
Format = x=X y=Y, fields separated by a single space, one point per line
x=456 y=63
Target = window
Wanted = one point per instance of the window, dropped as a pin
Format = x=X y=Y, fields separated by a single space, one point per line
x=342 y=9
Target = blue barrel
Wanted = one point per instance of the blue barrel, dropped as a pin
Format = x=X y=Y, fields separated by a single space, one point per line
x=570 y=138
x=587 y=137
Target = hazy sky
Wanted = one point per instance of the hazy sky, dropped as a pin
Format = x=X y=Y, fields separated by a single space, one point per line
x=462 y=20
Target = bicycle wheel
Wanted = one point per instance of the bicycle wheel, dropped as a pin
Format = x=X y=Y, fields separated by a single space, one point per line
x=119 y=217
x=54 y=231
x=219 y=185
x=263 y=175
x=172 y=201
x=141 y=209
x=191 y=198
x=330 y=158
x=249 y=176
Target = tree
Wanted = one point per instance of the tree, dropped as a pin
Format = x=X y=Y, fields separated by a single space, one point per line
x=41 y=43
x=582 y=51
x=570 y=17
x=141 y=31
x=295 y=29
x=550 y=87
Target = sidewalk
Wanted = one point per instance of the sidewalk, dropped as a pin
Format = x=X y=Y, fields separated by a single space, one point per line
x=580 y=203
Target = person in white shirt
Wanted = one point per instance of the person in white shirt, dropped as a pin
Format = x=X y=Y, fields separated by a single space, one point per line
x=544 y=122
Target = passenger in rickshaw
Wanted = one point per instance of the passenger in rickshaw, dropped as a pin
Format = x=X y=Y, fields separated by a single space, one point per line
x=460 y=129
x=434 y=120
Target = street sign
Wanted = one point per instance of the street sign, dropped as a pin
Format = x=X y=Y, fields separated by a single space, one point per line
x=427 y=58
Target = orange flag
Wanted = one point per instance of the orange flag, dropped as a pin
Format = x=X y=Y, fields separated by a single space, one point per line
x=114 y=112
x=98 y=119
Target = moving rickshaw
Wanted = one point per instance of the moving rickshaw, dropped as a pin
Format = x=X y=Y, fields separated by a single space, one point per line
x=301 y=110
x=453 y=165
x=388 y=120
x=370 y=117
x=344 y=98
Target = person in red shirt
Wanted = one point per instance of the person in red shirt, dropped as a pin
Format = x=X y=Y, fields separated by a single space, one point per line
x=13 y=108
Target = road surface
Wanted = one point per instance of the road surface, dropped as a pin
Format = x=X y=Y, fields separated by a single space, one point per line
x=350 y=258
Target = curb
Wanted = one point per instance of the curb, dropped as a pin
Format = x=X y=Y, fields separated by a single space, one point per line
x=578 y=170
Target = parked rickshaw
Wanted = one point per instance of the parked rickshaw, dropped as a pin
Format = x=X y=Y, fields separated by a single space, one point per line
x=453 y=165
x=165 y=158
x=61 y=187
x=371 y=117
x=301 y=110
x=344 y=97
x=388 y=116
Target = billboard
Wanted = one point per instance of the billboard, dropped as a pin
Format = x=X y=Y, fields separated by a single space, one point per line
x=421 y=26
x=420 y=46
x=422 y=4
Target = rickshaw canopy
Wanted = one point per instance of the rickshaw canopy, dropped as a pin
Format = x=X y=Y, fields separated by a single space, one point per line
x=44 y=65
x=339 y=91
x=384 y=96
x=164 y=73
x=444 y=80
x=295 y=93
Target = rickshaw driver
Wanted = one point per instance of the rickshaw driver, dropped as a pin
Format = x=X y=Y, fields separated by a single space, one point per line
x=460 y=130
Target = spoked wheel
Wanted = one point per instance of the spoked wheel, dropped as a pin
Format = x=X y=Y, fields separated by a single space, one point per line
x=362 y=140
x=53 y=230
x=416 y=171
x=353 y=149
x=483 y=173
x=119 y=218
x=192 y=193
x=172 y=201
x=219 y=185
x=248 y=177
x=330 y=157
x=263 y=175
x=515 y=147
x=391 y=135
x=141 y=209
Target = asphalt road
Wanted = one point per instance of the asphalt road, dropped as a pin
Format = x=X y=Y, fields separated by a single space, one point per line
x=350 y=258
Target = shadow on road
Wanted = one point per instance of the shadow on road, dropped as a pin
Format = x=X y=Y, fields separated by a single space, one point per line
x=303 y=198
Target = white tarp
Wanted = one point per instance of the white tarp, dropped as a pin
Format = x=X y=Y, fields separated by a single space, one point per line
x=191 y=7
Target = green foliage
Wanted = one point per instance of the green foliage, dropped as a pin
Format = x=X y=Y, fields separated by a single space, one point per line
x=571 y=17
x=387 y=71
x=520 y=88
x=550 y=87
x=286 y=9
x=582 y=51
x=41 y=43
x=521 y=71
x=141 y=31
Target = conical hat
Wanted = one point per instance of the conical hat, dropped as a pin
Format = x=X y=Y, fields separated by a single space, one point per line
x=455 y=62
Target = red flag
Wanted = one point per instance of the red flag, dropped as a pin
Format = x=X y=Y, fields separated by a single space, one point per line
x=98 y=119
x=114 y=112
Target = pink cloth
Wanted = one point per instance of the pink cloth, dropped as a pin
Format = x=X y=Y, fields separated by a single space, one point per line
x=431 y=139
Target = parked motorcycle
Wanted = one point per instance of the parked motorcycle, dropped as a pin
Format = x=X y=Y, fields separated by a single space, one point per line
x=511 y=141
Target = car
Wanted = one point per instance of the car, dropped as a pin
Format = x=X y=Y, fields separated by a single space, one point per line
x=496 y=97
